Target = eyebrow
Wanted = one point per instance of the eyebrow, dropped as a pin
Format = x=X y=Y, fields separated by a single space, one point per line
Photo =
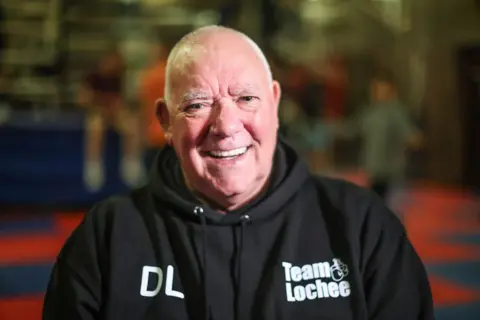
x=202 y=95
x=245 y=89
x=194 y=96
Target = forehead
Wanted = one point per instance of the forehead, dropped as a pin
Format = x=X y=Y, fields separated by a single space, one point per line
x=237 y=67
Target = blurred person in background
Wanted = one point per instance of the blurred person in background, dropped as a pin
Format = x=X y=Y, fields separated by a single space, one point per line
x=152 y=85
x=101 y=95
x=315 y=130
x=334 y=100
x=335 y=86
x=387 y=132
x=291 y=112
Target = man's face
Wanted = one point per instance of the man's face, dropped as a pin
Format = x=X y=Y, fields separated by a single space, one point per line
x=381 y=91
x=111 y=63
x=223 y=119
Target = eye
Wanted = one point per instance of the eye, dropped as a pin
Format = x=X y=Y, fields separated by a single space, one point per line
x=246 y=98
x=193 y=107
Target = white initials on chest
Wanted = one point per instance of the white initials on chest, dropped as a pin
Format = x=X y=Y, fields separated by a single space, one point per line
x=147 y=271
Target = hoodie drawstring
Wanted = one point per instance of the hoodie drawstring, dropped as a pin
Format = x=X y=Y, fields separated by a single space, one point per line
x=198 y=211
x=243 y=223
x=203 y=220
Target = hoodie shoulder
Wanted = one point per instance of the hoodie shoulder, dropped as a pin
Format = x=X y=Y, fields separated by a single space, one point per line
x=128 y=207
x=98 y=221
x=357 y=206
x=76 y=285
x=393 y=274
x=345 y=196
x=116 y=218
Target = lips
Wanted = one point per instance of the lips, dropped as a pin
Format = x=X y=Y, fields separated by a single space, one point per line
x=221 y=154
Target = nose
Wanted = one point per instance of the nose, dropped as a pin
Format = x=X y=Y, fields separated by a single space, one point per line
x=226 y=120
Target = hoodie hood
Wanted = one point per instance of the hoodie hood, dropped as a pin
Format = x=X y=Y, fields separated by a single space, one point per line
x=289 y=173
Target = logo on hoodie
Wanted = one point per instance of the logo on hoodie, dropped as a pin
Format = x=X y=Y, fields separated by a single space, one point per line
x=318 y=280
x=152 y=281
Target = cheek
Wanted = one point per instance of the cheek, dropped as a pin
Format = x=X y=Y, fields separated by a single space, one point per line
x=263 y=125
x=187 y=133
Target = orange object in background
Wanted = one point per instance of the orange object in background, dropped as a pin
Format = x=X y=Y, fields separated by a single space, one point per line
x=152 y=88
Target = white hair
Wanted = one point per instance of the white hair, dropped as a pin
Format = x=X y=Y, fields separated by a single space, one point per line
x=188 y=41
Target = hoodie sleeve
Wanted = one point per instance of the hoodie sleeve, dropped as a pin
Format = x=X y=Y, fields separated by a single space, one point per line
x=74 y=289
x=395 y=279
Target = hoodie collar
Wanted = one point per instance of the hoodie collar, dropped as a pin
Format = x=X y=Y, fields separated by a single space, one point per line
x=289 y=172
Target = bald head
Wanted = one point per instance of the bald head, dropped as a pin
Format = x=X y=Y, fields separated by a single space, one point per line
x=220 y=99
x=199 y=44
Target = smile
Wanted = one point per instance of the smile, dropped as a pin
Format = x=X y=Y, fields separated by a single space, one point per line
x=228 y=154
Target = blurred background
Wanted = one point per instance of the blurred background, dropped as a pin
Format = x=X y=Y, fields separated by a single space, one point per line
x=359 y=77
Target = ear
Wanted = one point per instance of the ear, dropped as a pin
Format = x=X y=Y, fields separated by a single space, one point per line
x=163 y=116
x=276 y=95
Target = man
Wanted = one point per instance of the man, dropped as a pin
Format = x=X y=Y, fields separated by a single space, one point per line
x=315 y=129
x=387 y=133
x=101 y=95
x=232 y=224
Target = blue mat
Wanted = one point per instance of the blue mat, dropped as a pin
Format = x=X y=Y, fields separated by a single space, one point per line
x=41 y=162
x=43 y=223
x=24 y=280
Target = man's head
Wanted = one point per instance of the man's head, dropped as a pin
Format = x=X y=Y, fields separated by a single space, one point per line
x=220 y=114
x=383 y=88
x=111 y=63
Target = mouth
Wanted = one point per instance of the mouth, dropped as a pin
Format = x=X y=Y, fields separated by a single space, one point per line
x=230 y=154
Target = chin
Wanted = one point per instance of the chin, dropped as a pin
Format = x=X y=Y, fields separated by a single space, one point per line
x=231 y=186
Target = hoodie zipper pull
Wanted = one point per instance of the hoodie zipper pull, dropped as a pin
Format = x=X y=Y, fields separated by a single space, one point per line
x=198 y=211
x=245 y=218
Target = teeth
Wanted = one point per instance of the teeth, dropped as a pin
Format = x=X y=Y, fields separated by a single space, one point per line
x=228 y=154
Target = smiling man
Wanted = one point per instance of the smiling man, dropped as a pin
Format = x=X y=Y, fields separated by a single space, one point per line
x=232 y=224
x=221 y=116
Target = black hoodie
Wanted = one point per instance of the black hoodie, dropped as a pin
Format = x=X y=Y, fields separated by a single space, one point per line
x=308 y=248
